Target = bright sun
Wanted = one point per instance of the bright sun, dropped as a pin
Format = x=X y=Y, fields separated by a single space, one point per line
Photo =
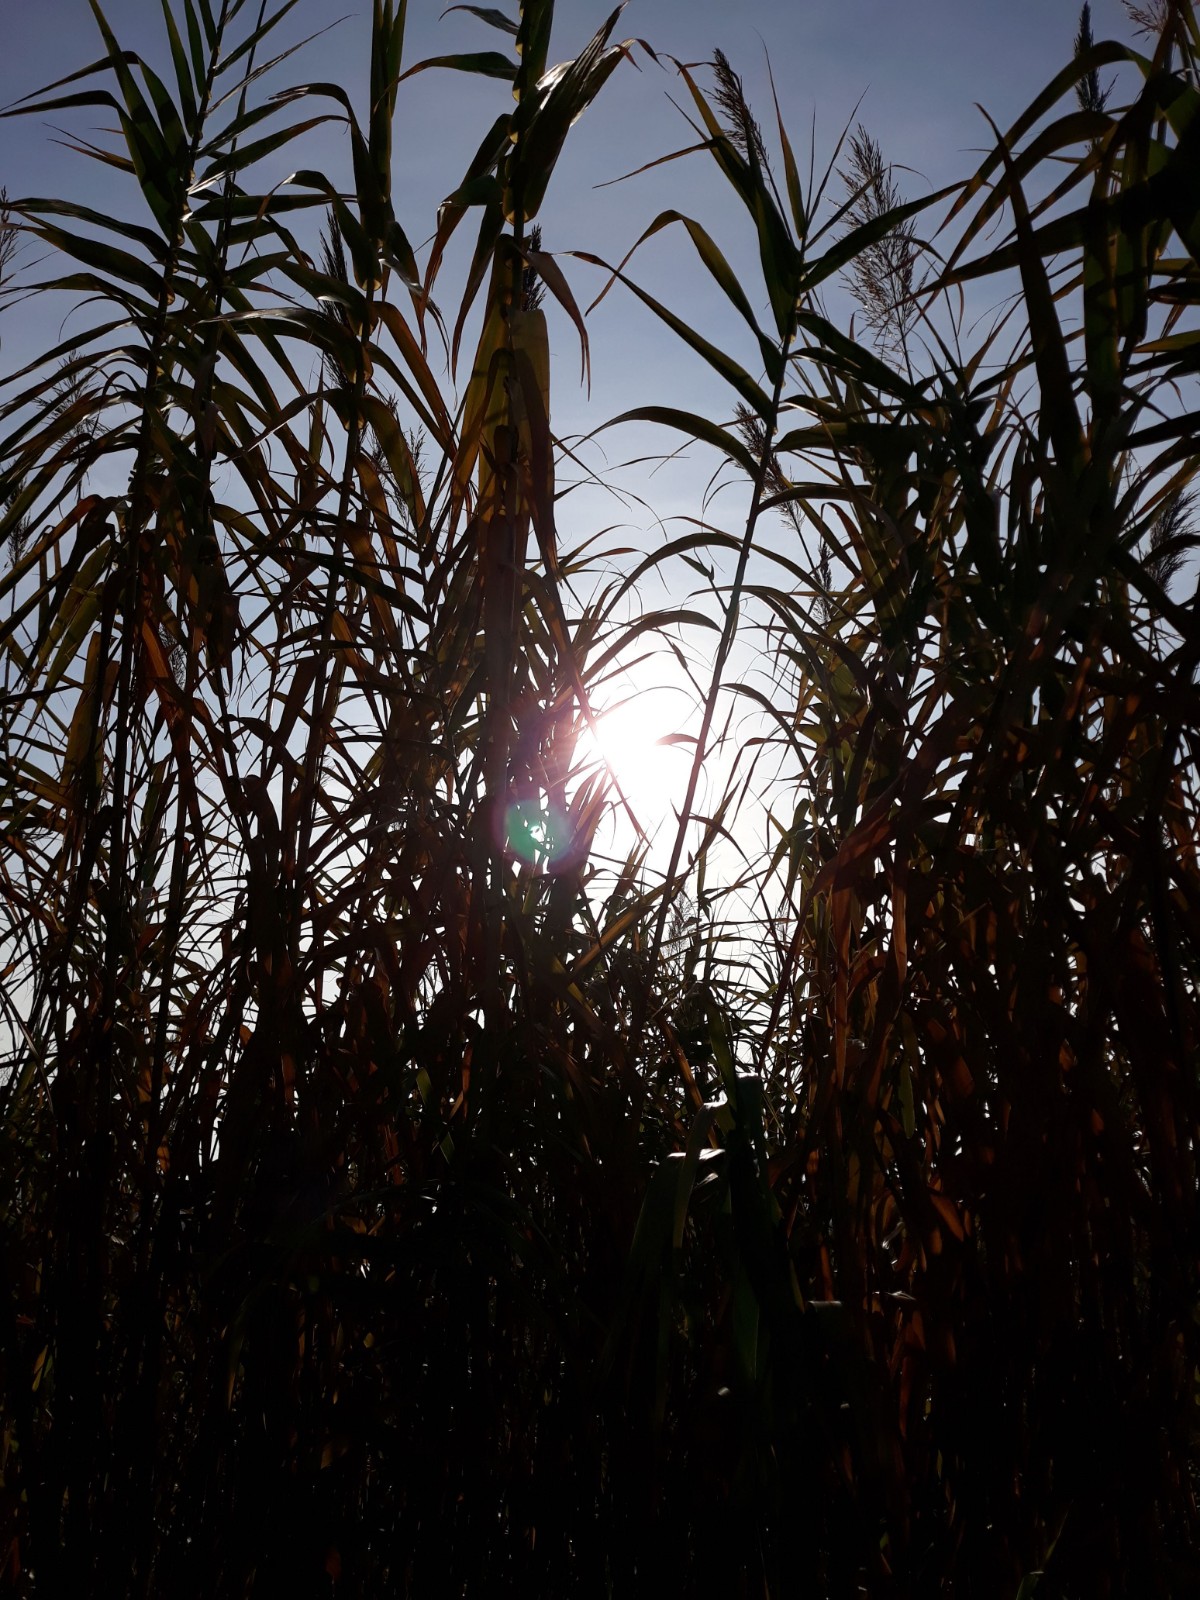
x=641 y=741
x=644 y=743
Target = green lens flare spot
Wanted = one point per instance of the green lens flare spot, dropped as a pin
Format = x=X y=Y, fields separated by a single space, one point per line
x=536 y=831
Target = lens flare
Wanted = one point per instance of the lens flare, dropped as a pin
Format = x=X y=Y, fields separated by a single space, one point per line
x=640 y=743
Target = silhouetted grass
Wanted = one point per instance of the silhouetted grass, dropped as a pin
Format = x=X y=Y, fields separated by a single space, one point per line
x=393 y=1202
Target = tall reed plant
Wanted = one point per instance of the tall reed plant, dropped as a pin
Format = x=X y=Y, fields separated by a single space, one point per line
x=395 y=1202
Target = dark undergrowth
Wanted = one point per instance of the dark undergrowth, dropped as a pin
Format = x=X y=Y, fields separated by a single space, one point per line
x=396 y=1199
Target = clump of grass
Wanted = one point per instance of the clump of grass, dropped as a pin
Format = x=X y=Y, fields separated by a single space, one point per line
x=391 y=1187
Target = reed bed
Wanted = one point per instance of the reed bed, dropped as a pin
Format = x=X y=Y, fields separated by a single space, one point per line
x=396 y=1200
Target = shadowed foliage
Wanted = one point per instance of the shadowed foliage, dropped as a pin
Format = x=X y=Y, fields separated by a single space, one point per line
x=396 y=1197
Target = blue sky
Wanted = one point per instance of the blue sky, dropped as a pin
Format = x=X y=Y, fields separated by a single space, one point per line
x=918 y=70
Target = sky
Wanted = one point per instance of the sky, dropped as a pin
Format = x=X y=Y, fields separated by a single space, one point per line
x=913 y=74
x=915 y=71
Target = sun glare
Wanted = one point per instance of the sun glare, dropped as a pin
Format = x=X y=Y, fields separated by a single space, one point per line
x=641 y=748
x=646 y=744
